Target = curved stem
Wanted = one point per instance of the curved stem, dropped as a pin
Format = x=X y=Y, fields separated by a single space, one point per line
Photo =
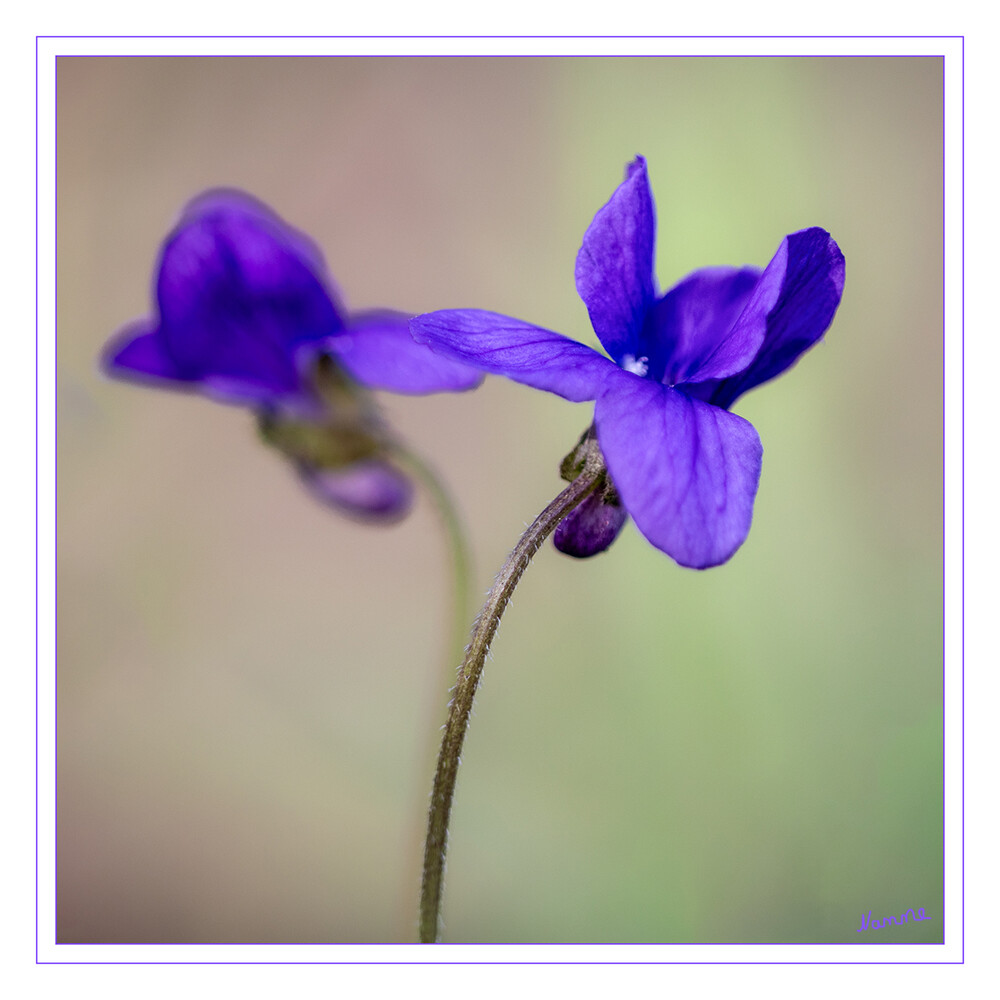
x=457 y=544
x=469 y=674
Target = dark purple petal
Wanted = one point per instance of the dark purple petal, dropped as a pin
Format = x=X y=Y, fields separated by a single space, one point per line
x=614 y=268
x=136 y=353
x=590 y=528
x=500 y=345
x=231 y=202
x=686 y=472
x=140 y=358
x=810 y=293
x=711 y=324
x=242 y=296
x=377 y=350
x=371 y=490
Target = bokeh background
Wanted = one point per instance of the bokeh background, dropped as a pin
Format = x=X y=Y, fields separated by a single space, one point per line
x=250 y=687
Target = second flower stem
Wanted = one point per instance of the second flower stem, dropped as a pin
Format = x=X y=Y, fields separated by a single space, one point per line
x=469 y=674
x=457 y=545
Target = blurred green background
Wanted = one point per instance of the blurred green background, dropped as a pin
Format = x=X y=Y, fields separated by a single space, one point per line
x=250 y=687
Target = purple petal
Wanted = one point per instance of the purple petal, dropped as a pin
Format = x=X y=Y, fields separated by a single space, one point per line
x=614 y=268
x=811 y=289
x=369 y=491
x=377 y=350
x=590 y=528
x=500 y=345
x=686 y=472
x=240 y=295
x=711 y=324
x=223 y=202
x=136 y=353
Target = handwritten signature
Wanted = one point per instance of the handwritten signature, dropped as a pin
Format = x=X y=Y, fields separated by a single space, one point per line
x=867 y=924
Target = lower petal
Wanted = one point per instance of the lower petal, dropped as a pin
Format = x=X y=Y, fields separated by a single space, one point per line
x=686 y=471
x=378 y=351
x=370 y=491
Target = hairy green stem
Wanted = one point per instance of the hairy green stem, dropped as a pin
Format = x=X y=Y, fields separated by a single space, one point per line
x=469 y=674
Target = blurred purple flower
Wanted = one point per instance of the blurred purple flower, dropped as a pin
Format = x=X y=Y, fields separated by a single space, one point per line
x=683 y=466
x=246 y=313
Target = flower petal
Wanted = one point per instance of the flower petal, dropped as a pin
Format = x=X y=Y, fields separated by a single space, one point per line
x=500 y=345
x=239 y=294
x=370 y=490
x=686 y=472
x=136 y=353
x=377 y=350
x=614 y=268
x=811 y=288
x=590 y=528
x=711 y=324
x=232 y=202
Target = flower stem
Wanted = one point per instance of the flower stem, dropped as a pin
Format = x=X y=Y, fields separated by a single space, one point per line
x=469 y=674
x=457 y=544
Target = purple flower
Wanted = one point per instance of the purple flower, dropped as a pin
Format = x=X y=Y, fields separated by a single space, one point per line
x=683 y=466
x=247 y=314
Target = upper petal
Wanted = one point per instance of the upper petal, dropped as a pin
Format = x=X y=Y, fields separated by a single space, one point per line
x=686 y=472
x=689 y=330
x=811 y=287
x=501 y=345
x=377 y=350
x=614 y=268
x=240 y=294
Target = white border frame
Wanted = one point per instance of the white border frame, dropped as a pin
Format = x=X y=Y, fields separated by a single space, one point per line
x=952 y=51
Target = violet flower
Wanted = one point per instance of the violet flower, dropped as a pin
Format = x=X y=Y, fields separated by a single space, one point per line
x=680 y=463
x=247 y=314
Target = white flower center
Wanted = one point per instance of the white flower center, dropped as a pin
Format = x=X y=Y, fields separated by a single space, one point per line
x=637 y=366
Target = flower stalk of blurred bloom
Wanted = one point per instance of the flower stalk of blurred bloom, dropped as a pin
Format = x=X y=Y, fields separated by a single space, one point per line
x=664 y=447
x=247 y=314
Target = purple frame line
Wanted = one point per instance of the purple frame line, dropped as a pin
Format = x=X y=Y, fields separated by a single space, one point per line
x=614 y=37
x=491 y=55
x=497 y=961
x=962 y=503
x=37 y=669
x=717 y=944
x=494 y=55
